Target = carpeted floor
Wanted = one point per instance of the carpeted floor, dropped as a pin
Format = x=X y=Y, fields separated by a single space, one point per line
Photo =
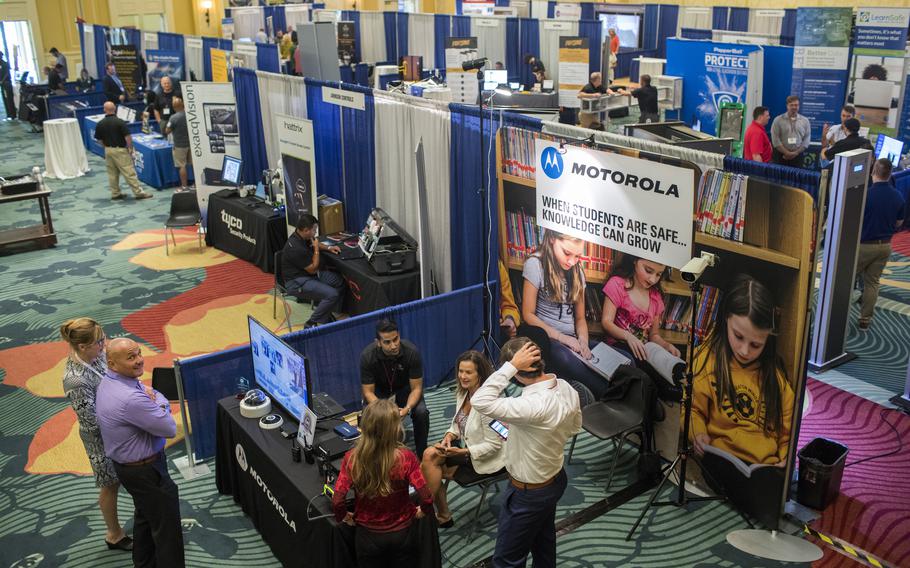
x=110 y=264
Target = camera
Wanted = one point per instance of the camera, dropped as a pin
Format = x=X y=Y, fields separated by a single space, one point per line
x=694 y=269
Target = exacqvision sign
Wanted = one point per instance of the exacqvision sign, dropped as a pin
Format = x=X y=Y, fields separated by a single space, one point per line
x=631 y=205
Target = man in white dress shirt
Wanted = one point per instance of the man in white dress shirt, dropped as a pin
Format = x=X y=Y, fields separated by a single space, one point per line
x=540 y=422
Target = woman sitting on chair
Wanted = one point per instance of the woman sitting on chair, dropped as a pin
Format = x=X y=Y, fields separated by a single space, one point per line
x=482 y=453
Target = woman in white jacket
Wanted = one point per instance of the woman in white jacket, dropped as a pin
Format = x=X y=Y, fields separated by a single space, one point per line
x=481 y=451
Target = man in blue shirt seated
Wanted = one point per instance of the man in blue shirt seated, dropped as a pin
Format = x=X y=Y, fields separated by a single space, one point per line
x=884 y=214
x=134 y=422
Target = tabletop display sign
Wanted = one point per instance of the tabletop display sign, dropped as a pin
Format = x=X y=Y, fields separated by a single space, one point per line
x=211 y=117
x=126 y=60
x=163 y=63
x=463 y=84
x=306 y=433
x=346 y=42
x=573 y=69
x=298 y=166
x=635 y=206
x=878 y=67
x=821 y=57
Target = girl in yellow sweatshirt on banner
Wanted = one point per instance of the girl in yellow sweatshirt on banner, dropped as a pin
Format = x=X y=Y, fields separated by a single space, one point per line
x=742 y=402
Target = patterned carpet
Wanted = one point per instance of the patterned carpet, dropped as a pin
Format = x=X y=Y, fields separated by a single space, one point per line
x=110 y=264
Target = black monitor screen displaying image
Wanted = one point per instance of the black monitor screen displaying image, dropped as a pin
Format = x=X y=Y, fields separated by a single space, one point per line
x=890 y=148
x=230 y=170
x=221 y=117
x=627 y=26
x=279 y=370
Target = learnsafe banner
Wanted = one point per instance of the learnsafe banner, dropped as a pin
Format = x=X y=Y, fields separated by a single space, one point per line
x=715 y=73
x=879 y=42
x=635 y=206
x=821 y=59
x=463 y=84
x=211 y=117
x=219 y=65
x=573 y=69
x=298 y=166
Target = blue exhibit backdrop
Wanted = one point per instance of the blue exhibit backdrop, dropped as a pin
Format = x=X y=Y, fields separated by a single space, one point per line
x=821 y=58
x=715 y=73
x=879 y=45
x=163 y=63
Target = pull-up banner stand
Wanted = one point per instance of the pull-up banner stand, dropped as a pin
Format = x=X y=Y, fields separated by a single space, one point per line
x=846 y=202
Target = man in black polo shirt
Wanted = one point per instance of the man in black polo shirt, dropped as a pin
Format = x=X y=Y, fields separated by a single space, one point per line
x=883 y=215
x=164 y=104
x=115 y=136
x=853 y=141
x=647 y=100
x=594 y=89
x=303 y=276
x=391 y=367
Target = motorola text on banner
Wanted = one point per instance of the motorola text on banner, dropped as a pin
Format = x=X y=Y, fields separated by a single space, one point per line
x=573 y=69
x=298 y=166
x=211 y=117
x=635 y=206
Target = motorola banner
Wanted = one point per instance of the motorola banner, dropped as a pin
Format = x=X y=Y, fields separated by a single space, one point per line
x=634 y=206
x=211 y=118
x=298 y=166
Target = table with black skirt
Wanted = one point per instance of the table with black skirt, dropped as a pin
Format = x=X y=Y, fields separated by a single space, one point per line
x=368 y=291
x=255 y=467
x=245 y=227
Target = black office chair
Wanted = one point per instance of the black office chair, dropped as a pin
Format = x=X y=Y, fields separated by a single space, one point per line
x=164 y=380
x=484 y=482
x=612 y=420
x=184 y=213
x=280 y=289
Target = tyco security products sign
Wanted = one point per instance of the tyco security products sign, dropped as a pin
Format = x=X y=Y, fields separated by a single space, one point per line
x=630 y=205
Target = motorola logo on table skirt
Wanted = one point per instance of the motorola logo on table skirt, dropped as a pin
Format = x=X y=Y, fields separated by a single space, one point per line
x=551 y=161
x=241 y=457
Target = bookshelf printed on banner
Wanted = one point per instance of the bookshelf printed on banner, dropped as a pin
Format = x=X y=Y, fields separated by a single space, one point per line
x=721 y=207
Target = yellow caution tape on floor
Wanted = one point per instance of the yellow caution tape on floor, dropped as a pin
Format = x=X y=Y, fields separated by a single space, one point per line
x=847 y=549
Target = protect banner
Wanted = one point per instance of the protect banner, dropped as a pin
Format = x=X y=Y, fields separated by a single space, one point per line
x=463 y=84
x=162 y=63
x=879 y=42
x=211 y=117
x=821 y=59
x=573 y=69
x=298 y=166
x=715 y=73
x=635 y=206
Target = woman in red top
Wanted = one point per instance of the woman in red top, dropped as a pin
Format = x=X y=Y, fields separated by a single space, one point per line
x=379 y=469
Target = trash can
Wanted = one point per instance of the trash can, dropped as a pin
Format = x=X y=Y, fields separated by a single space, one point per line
x=821 y=467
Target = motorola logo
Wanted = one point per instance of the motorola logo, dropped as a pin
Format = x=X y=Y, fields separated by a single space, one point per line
x=551 y=161
x=241 y=457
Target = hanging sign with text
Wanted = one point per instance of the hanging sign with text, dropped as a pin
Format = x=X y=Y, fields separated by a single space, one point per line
x=635 y=206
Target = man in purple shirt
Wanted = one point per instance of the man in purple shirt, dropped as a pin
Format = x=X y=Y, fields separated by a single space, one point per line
x=134 y=422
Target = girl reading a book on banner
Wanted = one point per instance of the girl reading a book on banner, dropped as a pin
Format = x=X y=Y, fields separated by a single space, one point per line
x=742 y=402
x=553 y=300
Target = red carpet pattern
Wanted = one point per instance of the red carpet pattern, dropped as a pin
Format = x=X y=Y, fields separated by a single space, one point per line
x=873 y=508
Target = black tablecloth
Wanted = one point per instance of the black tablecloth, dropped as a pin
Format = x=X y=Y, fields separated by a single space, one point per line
x=246 y=228
x=255 y=466
x=368 y=291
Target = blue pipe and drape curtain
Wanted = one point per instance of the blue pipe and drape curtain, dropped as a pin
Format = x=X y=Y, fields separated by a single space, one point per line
x=279 y=21
x=739 y=20
x=788 y=27
x=354 y=16
x=461 y=26
x=208 y=44
x=170 y=42
x=359 y=147
x=267 y=57
x=668 y=17
x=442 y=24
x=592 y=30
x=249 y=118
x=528 y=44
x=514 y=60
x=390 y=21
x=719 y=16
x=402 y=29
x=327 y=139
x=101 y=54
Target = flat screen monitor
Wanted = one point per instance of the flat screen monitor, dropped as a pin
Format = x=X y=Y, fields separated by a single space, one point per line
x=280 y=371
x=495 y=78
x=230 y=170
x=627 y=26
x=515 y=86
x=731 y=123
x=887 y=147
x=221 y=117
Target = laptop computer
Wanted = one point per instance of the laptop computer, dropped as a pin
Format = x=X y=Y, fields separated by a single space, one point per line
x=349 y=250
x=871 y=93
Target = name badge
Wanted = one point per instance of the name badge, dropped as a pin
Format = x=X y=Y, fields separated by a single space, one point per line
x=791 y=140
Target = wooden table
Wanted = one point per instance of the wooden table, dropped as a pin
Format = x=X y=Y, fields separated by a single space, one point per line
x=42 y=234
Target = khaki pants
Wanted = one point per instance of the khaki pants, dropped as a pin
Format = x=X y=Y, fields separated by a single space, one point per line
x=870 y=263
x=118 y=162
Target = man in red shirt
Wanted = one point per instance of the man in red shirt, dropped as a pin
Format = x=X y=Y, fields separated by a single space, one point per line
x=757 y=145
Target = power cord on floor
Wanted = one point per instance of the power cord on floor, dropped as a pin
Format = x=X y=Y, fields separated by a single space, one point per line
x=900 y=443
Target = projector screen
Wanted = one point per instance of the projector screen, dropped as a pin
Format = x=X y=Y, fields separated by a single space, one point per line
x=627 y=26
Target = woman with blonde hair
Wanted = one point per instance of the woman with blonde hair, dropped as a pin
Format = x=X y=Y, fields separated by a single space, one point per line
x=85 y=367
x=380 y=469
